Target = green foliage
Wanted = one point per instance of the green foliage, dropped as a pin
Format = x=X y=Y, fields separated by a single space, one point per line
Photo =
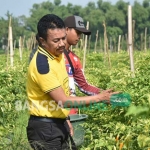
x=12 y=89
x=106 y=128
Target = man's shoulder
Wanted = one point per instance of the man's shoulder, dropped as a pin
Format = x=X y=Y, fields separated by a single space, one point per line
x=42 y=63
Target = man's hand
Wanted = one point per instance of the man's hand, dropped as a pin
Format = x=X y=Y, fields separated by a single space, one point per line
x=107 y=91
x=105 y=95
x=70 y=127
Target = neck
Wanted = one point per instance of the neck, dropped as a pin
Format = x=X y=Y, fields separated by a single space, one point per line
x=67 y=46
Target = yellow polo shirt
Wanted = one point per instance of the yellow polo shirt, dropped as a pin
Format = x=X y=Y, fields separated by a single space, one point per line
x=46 y=73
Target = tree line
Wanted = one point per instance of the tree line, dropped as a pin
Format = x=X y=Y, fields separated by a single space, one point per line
x=114 y=16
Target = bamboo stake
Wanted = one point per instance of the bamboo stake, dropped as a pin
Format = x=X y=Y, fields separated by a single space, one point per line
x=149 y=42
x=85 y=46
x=23 y=41
x=11 y=43
x=14 y=45
x=106 y=45
x=20 y=48
x=122 y=42
x=105 y=40
x=7 y=51
x=110 y=44
x=95 y=48
x=119 y=44
x=115 y=47
x=145 y=39
x=100 y=44
x=89 y=43
x=141 y=41
x=27 y=45
x=133 y=27
x=81 y=43
x=126 y=36
x=130 y=37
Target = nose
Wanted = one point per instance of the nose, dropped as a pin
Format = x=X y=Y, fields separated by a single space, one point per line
x=79 y=36
x=62 y=42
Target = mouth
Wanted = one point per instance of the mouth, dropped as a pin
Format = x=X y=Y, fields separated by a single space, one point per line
x=61 y=49
x=77 y=41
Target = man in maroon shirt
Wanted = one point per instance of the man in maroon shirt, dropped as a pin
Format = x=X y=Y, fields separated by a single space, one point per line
x=74 y=28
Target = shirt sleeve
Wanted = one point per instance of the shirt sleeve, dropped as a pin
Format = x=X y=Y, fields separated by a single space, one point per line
x=79 y=78
x=48 y=82
x=45 y=75
x=82 y=83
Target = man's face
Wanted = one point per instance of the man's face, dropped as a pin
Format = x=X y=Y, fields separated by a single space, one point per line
x=73 y=36
x=56 y=41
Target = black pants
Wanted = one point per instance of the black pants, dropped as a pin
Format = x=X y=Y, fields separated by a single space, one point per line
x=49 y=136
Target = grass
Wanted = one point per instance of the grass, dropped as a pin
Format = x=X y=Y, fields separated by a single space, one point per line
x=18 y=141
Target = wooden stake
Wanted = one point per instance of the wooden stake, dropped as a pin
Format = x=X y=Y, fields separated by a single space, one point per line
x=106 y=45
x=130 y=37
x=11 y=43
x=133 y=27
x=85 y=46
x=20 y=48
x=149 y=42
x=100 y=44
x=105 y=40
x=126 y=36
x=95 y=48
x=110 y=44
x=145 y=40
x=141 y=41
x=89 y=41
x=14 y=45
x=119 y=44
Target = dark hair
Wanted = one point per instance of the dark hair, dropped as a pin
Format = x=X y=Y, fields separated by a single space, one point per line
x=37 y=38
x=49 y=21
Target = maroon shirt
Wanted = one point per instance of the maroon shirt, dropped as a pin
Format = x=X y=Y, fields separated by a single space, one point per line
x=77 y=78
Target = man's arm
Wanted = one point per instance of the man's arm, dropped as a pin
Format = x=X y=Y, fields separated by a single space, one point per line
x=58 y=95
x=79 y=77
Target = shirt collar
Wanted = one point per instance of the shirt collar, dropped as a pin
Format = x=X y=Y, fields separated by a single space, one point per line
x=49 y=54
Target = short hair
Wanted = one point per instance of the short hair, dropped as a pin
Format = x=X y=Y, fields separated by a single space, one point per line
x=49 y=21
x=37 y=38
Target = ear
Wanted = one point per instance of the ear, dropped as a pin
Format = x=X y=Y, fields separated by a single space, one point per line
x=42 y=41
x=67 y=29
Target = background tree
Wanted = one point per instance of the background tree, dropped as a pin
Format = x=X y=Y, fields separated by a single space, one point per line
x=114 y=15
x=57 y=2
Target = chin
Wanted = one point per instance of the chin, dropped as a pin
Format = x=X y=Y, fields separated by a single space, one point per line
x=58 y=54
x=75 y=43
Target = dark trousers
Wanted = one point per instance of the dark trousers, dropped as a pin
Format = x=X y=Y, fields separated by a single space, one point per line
x=49 y=136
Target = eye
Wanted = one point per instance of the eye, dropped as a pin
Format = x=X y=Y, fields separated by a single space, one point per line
x=56 y=41
x=78 y=32
x=63 y=38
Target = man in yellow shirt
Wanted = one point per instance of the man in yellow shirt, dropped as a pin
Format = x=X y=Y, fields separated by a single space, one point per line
x=48 y=90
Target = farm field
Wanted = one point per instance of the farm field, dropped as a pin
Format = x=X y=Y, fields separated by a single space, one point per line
x=112 y=128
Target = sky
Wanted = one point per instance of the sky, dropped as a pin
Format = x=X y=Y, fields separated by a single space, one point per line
x=22 y=7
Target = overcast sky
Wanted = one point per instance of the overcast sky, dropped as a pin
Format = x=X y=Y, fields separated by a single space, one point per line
x=22 y=7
